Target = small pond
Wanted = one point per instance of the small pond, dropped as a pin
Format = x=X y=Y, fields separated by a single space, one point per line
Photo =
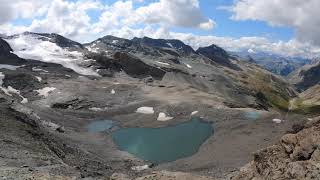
x=158 y=145
x=252 y=115
x=100 y=126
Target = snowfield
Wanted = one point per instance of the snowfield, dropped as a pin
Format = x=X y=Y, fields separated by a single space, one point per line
x=145 y=110
x=30 y=46
x=9 y=67
x=163 y=117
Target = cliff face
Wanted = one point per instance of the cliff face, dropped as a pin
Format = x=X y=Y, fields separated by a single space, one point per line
x=296 y=156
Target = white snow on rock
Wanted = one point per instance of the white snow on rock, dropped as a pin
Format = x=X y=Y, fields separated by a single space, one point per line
x=113 y=91
x=194 y=113
x=24 y=100
x=115 y=41
x=163 y=117
x=145 y=110
x=92 y=49
x=97 y=109
x=9 y=67
x=30 y=46
x=1 y=78
x=140 y=168
x=39 y=70
x=10 y=90
x=45 y=91
x=38 y=78
x=163 y=63
x=169 y=44
x=188 y=65
x=278 y=121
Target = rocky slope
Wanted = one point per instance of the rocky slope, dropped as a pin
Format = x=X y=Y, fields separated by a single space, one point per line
x=306 y=76
x=308 y=102
x=296 y=156
x=206 y=69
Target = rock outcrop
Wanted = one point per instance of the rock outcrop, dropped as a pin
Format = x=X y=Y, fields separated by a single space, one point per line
x=6 y=55
x=217 y=55
x=296 y=156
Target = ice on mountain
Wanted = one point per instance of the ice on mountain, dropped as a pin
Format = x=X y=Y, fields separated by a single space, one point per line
x=32 y=47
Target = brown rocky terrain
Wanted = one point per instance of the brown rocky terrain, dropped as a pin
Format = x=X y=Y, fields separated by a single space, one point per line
x=296 y=156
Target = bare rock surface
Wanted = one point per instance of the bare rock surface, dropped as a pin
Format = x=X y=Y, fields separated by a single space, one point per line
x=296 y=156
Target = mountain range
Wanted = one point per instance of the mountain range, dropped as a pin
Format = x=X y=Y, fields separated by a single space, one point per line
x=277 y=64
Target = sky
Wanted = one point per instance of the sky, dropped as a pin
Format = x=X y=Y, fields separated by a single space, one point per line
x=285 y=27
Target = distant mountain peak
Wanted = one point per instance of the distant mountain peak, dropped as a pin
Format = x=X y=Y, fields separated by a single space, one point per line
x=217 y=55
x=165 y=43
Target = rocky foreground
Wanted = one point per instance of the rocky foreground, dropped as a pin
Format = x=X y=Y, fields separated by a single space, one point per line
x=296 y=156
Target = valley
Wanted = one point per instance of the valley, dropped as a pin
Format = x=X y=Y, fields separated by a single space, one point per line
x=131 y=109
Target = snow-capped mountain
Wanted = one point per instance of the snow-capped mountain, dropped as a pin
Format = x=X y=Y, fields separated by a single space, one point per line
x=50 y=48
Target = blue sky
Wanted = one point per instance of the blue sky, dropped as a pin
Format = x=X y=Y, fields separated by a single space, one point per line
x=277 y=26
x=211 y=9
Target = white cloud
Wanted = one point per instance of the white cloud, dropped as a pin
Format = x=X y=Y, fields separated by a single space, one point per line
x=166 y=13
x=124 y=19
x=302 y=15
x=71 y=19
x=183 y=13
x=10 y=10
x=66 y=18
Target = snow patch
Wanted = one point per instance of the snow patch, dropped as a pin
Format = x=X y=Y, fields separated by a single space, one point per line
x=163 y=63
x=188 y=65
x=39 y=70
x=115 y=41
x=251 y=51
x=96 y=109
x=24 y=100
x=1 y=78
x=140 y=168
x=169 y=44
x=92 y=49
x=163 y=117
x=9 y=67
x=145 y=110
x=113 y=91
x=32 y=47
x=38 y=78
x=10 y=90
x=45 y=91
x=194 y=113
x=278 y=121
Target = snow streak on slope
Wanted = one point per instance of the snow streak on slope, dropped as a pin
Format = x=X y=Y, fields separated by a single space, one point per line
x=30 y=46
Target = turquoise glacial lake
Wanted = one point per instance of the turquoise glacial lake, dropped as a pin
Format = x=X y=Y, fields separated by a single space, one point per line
x=159 y=145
